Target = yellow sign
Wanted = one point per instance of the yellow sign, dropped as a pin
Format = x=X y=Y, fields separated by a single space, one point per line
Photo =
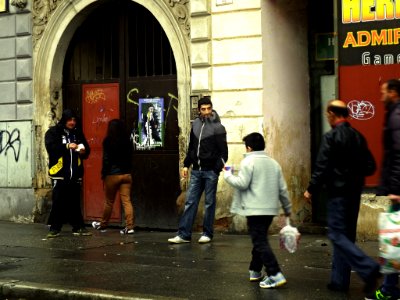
x=3 y=6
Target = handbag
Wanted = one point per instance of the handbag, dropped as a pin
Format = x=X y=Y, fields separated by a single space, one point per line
x=389 y=241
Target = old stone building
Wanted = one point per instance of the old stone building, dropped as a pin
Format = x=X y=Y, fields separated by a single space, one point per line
x=255 y=58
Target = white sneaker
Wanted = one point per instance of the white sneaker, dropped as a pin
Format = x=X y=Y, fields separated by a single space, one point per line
x=204 y=239
x=178 y=240
x=255 y=276
x=96 y=225
x=127 y=231
x=273 y=281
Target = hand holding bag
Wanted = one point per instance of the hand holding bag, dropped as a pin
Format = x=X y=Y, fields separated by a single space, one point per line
x=289 y=237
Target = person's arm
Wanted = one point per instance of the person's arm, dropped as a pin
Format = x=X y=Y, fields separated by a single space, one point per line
x=321 y=165
x=222 y=146
x=243 y=179
x=53 y=143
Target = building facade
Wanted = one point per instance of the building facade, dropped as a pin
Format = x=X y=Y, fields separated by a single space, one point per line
x=251 y=57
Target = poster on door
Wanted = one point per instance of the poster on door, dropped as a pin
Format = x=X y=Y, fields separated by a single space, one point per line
x=151 y=123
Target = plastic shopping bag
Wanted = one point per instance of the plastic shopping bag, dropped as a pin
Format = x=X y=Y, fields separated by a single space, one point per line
x=289 y=237
x=389 y=242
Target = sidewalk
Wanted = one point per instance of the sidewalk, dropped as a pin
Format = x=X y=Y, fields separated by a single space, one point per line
x=144 y=266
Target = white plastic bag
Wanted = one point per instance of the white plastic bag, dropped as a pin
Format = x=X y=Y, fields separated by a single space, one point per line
x=289 y=237
x=389 y=242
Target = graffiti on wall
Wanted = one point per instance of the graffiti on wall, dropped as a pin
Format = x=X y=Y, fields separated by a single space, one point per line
x=16 y=154
x=10 y=142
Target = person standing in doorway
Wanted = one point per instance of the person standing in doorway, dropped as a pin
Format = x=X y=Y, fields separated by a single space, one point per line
x=67 y=147
x=207 y=152
x=342 y=163
x=116 y=173
x=390 y=172
x=261 y=191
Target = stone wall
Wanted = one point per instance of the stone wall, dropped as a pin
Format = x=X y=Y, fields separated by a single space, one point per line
x=16 y=113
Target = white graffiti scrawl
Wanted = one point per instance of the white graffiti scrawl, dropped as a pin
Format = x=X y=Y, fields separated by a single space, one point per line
x=361 y=110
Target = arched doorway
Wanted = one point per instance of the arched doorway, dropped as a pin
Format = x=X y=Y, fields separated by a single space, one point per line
x=121 y=45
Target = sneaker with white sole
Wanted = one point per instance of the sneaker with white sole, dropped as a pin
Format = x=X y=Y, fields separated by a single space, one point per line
x=204 y=239
x=255 y=276
x=272 y=281
x=178 y=240
x=127 y=231
x=97 y=225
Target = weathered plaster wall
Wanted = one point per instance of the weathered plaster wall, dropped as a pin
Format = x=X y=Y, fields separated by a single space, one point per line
x=286 y=95
x=16 y=113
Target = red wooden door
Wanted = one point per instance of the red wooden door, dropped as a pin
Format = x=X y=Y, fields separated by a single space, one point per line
x=100 y=104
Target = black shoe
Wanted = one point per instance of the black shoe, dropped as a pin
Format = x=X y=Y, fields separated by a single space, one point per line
x=371 y=284
x=379 y=295
x=337 y=288
x=53 y=234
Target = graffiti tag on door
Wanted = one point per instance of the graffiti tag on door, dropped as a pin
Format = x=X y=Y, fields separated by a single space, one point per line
x=10 y=141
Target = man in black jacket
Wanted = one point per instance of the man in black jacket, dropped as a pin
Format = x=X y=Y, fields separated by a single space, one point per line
x=390 y=173
x=207 y=152
x=67 y=147
x=343 y=162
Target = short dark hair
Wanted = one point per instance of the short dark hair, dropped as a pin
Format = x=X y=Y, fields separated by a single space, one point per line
x=338 y=111
x=204 y=101
x=394 y=85
x=255 y=141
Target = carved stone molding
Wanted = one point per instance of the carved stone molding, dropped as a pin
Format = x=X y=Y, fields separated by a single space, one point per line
x=20 y=4
x=180 y=9
x=41 y=11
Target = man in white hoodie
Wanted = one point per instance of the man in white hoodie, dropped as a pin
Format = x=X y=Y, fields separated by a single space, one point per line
x=260 y=192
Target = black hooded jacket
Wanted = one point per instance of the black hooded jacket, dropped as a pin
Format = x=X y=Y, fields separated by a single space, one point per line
x=390 y=175
x=207 y=146
x=65 y=163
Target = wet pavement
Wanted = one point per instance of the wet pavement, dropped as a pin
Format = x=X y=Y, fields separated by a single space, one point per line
x=144 y=266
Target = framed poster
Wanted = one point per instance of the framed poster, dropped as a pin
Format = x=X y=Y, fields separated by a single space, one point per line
x=151 y=123
x=3 y=6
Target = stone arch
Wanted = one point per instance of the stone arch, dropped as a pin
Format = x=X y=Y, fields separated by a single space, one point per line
x=49 y=55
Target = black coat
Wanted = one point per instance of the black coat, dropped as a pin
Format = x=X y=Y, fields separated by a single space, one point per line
x=65 y=163
x=343 y=161
x=390 y=173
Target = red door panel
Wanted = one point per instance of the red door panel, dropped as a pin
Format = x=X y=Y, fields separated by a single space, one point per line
x=100 y=104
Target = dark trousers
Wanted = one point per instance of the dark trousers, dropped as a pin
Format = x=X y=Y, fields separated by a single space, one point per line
x=66 y=206
x=262 y=254
x=342 y=227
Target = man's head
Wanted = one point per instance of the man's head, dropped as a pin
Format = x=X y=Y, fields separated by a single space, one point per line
x=68 y=119
x=205 y=107
x=254 y=142
x=151 y=108
x=390 y=91
x=336 y=111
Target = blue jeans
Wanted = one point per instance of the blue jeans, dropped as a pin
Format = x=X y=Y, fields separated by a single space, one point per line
x=391 y=281
x=200 y=181
x=342 y=225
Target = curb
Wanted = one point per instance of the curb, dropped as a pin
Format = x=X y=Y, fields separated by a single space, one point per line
x=16 y=289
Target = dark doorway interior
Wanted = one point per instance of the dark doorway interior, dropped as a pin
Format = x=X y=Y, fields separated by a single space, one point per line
x=122 y=42
x=321 y=21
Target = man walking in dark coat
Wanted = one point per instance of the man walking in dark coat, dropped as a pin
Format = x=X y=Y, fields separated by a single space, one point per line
x=343 y=162
x=390 y=173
